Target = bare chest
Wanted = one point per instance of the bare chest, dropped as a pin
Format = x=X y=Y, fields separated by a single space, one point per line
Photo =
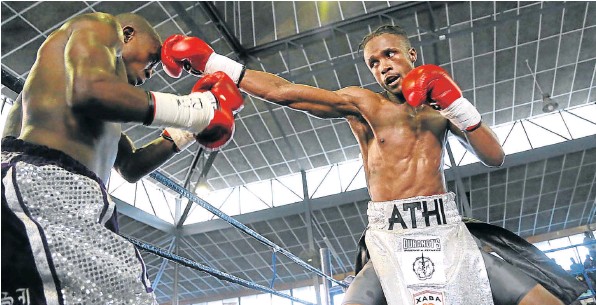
x=401 y=147
x=395 y=125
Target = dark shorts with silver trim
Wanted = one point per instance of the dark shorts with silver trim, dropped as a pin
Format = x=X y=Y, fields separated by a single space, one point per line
x=58 y=234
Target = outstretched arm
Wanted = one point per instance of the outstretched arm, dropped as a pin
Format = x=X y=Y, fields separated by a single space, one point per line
x=194 y=55
x=318 y=102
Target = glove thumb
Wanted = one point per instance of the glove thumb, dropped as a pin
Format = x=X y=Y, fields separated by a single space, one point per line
x=170 y=65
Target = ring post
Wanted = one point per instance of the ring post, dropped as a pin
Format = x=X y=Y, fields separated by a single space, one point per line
x=326 y=268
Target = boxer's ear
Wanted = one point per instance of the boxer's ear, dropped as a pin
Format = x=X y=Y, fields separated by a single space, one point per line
x=129 y=32
x=413 y=55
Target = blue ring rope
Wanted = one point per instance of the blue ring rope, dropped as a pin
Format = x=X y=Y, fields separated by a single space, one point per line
x=161 y=178
x=214 y=272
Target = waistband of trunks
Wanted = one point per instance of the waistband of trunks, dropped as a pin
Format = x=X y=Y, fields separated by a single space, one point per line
x=41 y=155
x=415 y=212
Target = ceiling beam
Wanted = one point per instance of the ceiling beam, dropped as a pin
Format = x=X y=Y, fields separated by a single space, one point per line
x=439 y=35
x=528 y=156
x=204 y=171
x=142 y=216
x=362 y=194
x=186 y=185
x=223 y=29
x=12 y=82
x=219 y=22
x=559 y=234
x=325 y=31
x=277 y=212
x=186 y=18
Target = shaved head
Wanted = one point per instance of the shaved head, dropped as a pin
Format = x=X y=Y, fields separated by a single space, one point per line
x=142 y=47
x=139 y=23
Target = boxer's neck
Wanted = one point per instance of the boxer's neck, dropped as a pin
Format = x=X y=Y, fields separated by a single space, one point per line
x=394 y=97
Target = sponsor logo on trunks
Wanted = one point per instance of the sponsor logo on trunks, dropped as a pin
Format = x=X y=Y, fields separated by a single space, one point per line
x=429 y=297
x=433 y=244
x=423 y=267
x=418 y=208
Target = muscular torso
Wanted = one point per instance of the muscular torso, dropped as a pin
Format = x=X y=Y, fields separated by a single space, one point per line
x=48 y=120
x=402 y=148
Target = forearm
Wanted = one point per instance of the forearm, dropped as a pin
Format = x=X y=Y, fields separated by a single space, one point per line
x=316 y=101
x=485 y=145
x=111 y=100
x=267 y=86
x=144 y=160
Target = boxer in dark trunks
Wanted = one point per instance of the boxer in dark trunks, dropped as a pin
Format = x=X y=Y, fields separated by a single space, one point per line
x=63 y=137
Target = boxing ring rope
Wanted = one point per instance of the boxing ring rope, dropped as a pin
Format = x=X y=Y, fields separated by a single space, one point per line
x=214 y=272
x=15 y=84
x=161 y=178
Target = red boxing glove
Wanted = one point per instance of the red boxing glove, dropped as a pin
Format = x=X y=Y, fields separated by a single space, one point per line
x=172 y=67
x=224 y=90
x=197 y=57
x=432 y=83
x=221 y=128
x=182 y=52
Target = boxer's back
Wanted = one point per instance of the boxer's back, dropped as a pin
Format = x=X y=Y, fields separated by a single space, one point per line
x=47 y=117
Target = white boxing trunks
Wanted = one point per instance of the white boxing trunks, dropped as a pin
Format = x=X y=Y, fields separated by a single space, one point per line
x=424 y=254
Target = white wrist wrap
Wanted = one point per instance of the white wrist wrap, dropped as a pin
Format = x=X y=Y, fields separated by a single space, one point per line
x=218 y=62
x=462 y=114
x=182 y=138
x=191 y=112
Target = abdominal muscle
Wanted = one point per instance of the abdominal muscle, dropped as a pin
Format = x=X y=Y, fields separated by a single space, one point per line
x=404 y=166
x=404 y=179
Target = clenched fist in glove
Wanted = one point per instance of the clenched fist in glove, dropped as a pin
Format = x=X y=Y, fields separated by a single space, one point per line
x=192 y=54
x=221 y=128
x=206 y=112
x=432 y=84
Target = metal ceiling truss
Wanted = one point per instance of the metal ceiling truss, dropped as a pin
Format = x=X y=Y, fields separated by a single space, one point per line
x=329 y=30
x=436 y=36
x=223 y=28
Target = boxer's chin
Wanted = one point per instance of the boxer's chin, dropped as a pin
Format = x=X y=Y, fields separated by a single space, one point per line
x=394 y=89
